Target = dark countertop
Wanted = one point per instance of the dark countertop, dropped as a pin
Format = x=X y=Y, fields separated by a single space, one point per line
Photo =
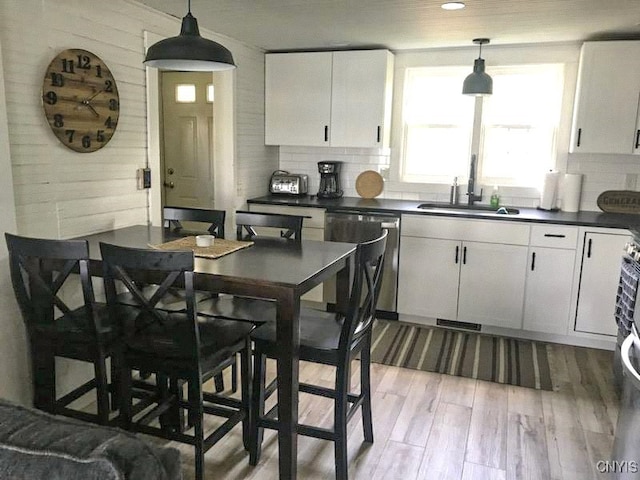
x=587 y=218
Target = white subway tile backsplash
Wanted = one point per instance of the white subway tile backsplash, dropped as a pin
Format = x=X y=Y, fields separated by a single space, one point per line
x=601 y=172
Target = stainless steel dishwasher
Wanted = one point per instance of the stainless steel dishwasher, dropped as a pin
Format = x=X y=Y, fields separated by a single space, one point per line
x=354 y=226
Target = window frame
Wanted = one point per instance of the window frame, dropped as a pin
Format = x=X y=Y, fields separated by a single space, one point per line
x=478 y=125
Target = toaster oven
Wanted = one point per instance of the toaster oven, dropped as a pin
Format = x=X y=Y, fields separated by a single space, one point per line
x=288 y=183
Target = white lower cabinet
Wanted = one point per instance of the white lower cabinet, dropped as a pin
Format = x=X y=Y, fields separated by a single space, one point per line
x=428 y=277
x=492 y=278
x=550 y=271
x=598 y=281
x=459 y=278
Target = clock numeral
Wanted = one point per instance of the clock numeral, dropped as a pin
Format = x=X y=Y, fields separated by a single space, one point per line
x=113 y=104
x=108 y=86
x=99 y=71
x=68 y=66
x=84 y=62
x=51 y=98
x=109 y=123
x=69 y=134
x=100 y=136
x=57 y=80
x=86 y=141
x=58 y=120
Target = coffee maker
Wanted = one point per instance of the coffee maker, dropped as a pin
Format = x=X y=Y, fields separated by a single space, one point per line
x=329 y=180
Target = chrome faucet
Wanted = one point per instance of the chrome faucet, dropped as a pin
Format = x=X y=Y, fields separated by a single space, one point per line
x=471 y=186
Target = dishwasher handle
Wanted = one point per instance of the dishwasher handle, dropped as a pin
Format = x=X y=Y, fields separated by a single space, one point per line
x=366 y=213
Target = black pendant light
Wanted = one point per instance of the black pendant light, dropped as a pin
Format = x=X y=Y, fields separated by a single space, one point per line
x=189 y=52
x=478 y=83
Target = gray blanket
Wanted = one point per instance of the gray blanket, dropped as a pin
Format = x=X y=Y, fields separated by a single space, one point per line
x=35 y=445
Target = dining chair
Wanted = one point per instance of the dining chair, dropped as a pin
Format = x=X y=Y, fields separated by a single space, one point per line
x=42 y=272
x=254 y=310
x=183 y=346
x=174 y=216
x=329 y=339
x=247 y=222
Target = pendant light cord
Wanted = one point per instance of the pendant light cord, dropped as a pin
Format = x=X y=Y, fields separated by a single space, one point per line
x=189 y=5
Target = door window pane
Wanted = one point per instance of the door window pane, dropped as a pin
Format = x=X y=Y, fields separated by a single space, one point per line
x=185 y=93
x=210 y=93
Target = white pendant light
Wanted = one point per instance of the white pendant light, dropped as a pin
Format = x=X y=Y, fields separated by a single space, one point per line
x=189 y=52
x=478 y=83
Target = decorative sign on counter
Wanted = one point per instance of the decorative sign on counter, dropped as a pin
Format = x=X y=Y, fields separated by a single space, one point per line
x=619 y=201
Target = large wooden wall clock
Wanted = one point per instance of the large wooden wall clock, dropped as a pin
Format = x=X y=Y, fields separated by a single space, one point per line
x=80 y=100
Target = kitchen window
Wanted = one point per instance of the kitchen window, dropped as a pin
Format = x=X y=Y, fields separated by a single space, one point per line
x=513 y=131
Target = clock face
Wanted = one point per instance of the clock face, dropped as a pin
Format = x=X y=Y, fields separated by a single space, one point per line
x=80 y=100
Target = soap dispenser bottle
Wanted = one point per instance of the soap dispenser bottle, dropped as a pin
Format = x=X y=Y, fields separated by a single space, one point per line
x=495 y=198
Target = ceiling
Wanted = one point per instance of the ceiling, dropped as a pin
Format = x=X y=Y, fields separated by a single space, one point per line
x=408 y=24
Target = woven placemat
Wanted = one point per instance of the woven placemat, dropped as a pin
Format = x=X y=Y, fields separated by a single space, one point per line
x=220 y=247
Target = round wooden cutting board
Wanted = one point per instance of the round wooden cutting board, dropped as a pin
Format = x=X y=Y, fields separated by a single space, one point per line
x=369 y=184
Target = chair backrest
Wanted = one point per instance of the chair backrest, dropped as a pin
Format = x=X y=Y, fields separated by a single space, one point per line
x=215 y=218
x=246 y=221
x=365 y=290
x=133 y=269
x=39 y=270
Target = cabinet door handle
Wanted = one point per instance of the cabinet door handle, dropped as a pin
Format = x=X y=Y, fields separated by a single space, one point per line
x=554 y=235
x=589 y=248
x=638 y=138
x=579 y=136
x=378 y=135
x=457 y=253
x=326 y=133
x=533 y=261
x=464 y=255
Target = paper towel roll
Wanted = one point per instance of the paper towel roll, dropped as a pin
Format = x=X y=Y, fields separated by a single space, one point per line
x=571 y=190
x=549 y=194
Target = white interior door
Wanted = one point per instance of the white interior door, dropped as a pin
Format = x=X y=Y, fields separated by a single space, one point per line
x=188 y=132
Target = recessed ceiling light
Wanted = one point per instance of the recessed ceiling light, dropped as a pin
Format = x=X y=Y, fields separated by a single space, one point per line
x=453 y=6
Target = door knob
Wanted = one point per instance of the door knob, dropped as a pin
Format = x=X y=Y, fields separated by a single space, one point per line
x=169 y=184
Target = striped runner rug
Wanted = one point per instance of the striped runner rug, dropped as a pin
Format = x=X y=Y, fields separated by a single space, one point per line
x=466 y=354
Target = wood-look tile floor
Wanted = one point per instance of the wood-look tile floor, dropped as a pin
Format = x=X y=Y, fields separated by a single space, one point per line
x=431 y=426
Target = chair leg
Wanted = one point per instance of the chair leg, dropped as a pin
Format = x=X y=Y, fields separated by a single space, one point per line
x=196 y=413
x=44 y=378
x=126 y=397
x=341 y=406
x=234 y=376
x=257 y=405
x=245 y=367
x=102 y=390
x=219 y=382
x=365 y=390
x=114 y=387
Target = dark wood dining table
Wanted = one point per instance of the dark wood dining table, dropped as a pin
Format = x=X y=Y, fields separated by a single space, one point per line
x=272 y=269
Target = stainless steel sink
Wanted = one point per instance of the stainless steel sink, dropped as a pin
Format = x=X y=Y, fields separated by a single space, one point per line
x=470 y=208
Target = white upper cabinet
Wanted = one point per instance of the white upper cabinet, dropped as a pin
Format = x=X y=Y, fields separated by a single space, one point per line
x=337 y=99
x=297 y=98
x=605 y=116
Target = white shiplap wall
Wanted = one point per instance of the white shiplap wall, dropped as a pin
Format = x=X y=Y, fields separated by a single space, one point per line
x=60 y=193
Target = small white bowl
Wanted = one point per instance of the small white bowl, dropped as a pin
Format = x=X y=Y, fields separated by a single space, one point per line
x=204 y=240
